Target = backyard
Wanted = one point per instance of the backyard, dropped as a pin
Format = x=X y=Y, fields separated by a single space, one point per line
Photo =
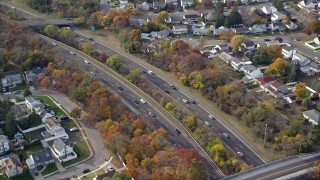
x=22 y=86
x=49 y=169
x=82 y=151
x=57 y=110
x=33 y=149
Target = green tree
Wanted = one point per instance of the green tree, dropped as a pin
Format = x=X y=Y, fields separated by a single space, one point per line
x=52 y=31
x=10 y=124
x=66 y=34
x=115 y=62
x=34 y=119
x=169 y=106
x=75 y=113
x=134 y=76
x=235 y=17
x=278 y=4
x=27 y=92
x=80 y=21
x=120 y=176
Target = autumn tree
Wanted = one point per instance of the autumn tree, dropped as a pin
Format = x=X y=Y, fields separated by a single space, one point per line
x=191 y=123
x=315 y=26
x=162 y=17
x=226 y=35
x=266 y=55
x=45 y=82
x=75 y=113
x=300 y=90
x=279 y=66
x=306 y=30
x=191 y=62
x=115 y=62
x=52 y=31
x=236 y=42
x=120 y=176
x=134 y=76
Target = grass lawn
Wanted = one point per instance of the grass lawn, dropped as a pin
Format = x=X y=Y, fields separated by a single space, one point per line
x=25 y=176
x=20 y=99
x=34 y=149
x=67 y=124
x=49 y=169
x=57 y=110
x=82 y=151
x=22 y=86
x=89 y=176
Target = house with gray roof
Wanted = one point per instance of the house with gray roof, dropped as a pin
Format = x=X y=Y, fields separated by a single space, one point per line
x=40 y=158
x=160 y=34
x=186 y=3
x=34 y=74
x=312 y=115
x=32 y=103
x=11 y=166
x=315 y=67
x=63 y=150
x=11 y=81
x=174 y=19
x=277 y=26
x=258 y=28
x=309 y=4
x=251 y=71
x=288 y=51
x=4 y=144
x=300 y=60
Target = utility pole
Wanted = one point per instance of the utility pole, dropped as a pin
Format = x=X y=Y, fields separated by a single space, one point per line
x=265 y=136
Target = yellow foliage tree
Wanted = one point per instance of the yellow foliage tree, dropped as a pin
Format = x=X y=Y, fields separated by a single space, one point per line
x=279 y=66
x=300 y=90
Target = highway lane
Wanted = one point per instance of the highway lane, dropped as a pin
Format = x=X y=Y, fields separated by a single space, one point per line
x=130 y=97
x=234 y=142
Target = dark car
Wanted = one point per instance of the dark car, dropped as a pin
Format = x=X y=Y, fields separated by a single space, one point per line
x=64 y=117
x=85 y=171
x=166 y=91
x=35 y=173
x=120 y=88
x=136 y=102
x=90 y=39
x=177 y=131
x=173 y=87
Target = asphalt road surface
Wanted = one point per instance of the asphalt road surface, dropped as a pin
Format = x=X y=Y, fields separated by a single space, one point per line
x=234 y=142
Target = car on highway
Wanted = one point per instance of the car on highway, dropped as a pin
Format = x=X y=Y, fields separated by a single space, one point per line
x=211 y=116
x=142 y=101
x=74 y=129
x=85 y=171
x=206 y=123
x=82 y=40
x=72 y=53
x=136 y=102
x=120 y=88
x=151 y=114
x=86 y=61
x=225 y=135
x=54 y=44
x=178 y=131
x=240 y=154
x=110 y=168
x=91 y=39
x=173 y=87
x=150 y=72
x=166 y=91
x=185 y=101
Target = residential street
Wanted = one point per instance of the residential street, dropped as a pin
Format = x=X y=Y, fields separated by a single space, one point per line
x=94 y=137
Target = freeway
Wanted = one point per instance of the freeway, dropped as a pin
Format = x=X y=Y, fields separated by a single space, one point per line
x=131 y=96
x=234 y=142
x=280 y=168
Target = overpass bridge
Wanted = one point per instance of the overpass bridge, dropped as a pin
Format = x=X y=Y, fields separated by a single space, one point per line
x=279 y=168
x=44 y=22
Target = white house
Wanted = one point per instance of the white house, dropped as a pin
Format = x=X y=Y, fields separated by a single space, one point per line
x=32 y=103
x=220 y=30
x=277 y=16
x=179 y=29
x=11 y=166
x=300 y=60
x=247 y=46
x=265 y=82
x=208 y=16
x=4 y=144
x=312 y=115
x=314 y=67
x=308 y=4
x=237 y=64
x=40 y=158
x=252 y=72
x=53 y=131
x=277 y=26
x=292 y=26
x=200 y=30
x=172 y=2
x=144 y=6
x=267 y=9
x=159 y=34
x=62 y=150
x=288 y=51
x=174 y=19
x=11 y=80
x=278 y=90
x=258 y=28
x=186 y=3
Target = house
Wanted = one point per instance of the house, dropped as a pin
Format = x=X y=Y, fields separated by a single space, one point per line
x=11 y=166
x=292 y=26
x=174 y=19
x=251 y=71
x=277 y=16
x=300 y=60
x=277 y=89
x=40 y=158
x=258 y=28
x=123 y=4
x=11 y=80
x=237 y=64
x=288 y=51
x=190 y=18
x=179 y=29
x=241 y=30
x=62 y=150
x=220 y=30
x=225 y=57
x=143 y=6
x=312 y=115
x=200 y=30
x=146 y=37
x=308 y=4
x=134 y=22
x=267 y=9
x=54 y=128
x=33 y=75
x=159 y=34
x=208 y=16
x=172 y=2
x=264 y=82
x=158 y=5
x=317 y=40
x=186 y=3
x=43 y=113
x=290 y=99
x=277 y=26
x=4 y=144
x=32 y=103
x=314 y=67
x=247 y=46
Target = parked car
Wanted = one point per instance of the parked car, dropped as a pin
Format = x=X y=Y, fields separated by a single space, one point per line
x=206 y=123
x=185 y=101
x=211 y=116
x=86 y=61
x=74 y=129
x=110 y=168
x=136 y=102
x=150 y=72
x=240 y=154
x=63 y=117
x=225 y=135
x=54 y=44
x=72 y=53
x=35 y=172
x=85 y=171
x=142 y=101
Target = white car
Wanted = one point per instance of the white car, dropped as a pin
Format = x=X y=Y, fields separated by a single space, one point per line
x=54 y=44
x=142 y=101
x=110 y=168
x=151 y=114
x=86 y=61
x=72 y=53
x=74 y=129
x=150 y=72
x=225 y=135
x=185 y=101
x=211 y=116
x=206 y=123
x=240 y=154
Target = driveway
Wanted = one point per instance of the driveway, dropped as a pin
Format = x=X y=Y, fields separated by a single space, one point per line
x=93 y=136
